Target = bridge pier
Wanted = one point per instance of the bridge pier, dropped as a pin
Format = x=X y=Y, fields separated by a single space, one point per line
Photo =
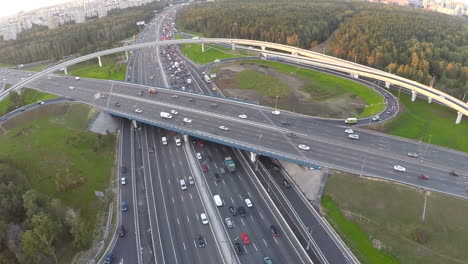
x=429 y=100
x=387 y=85
x=126 y=55
x=459 y=118
x=253 y=157
x=99 y=60
x=185 y=137
x=263 y=48
x=65 y=70
x=202 y=47
x=233 y=47
x=413 y=95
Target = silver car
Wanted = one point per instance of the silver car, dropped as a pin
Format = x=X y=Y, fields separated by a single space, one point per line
x=229 y=223
x=413 y=154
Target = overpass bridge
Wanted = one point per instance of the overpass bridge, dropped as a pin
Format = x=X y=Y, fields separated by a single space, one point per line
x=304 y=56
x=264 y=133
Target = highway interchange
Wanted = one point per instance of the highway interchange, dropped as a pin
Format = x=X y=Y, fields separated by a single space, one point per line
x=170 y=235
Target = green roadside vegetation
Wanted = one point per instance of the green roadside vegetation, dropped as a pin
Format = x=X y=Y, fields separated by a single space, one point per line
x=5 y=65
x=428 y=122
x=27 y=96
x=382 y=222
x=262 y=83
x=113 y=68
x=35 y=68
x=62 y=165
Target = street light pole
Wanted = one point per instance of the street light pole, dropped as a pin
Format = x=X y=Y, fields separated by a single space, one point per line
x=427 y=146
x=276 y=102
x=258 y=147
x=362 y=167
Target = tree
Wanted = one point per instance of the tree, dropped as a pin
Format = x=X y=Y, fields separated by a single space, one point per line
x=39 y=240
x=34 y=202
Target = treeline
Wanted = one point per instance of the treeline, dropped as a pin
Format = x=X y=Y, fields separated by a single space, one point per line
x=415 y=44
x=42 y=44
x=33 y=224
x=302 y=24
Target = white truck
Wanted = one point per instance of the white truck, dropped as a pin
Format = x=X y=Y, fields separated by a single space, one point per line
x=189 y=81
x=207 y=79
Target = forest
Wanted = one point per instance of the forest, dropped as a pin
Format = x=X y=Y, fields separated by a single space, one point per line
x=40 y=43
x=412 y=43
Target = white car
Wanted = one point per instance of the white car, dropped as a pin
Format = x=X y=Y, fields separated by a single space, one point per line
x=413 y=154
x=248 y=202
x=123 y=181
x=174 y=112
x=164 y=140
x=48 y=78
x=199 y=156
x=40 y=102
x=353 y=136
x=376 y=118
x=349 y=131
x=138 y=110
x=203 y=218
x=225 y=128
x=77 y=78
x=187 y=120
x=276 y=112
x=243 y=116
x=303 y=147
x=399 y=168
x=71 y=87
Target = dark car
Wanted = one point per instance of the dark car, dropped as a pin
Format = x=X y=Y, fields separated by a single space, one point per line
x=109 y=258
x=150 y=149
x=123 y=169
x=291 y=134
x=124 y=206
x=217 y=178
x=117 y=104
x=242 y=211
x=453 y=173
x=423 y=177
x=122 y=231
x=274 y=231
x=204 y=168
x=233 y=210
x=238 y=248
x=284 y=122
x=193 y=140
x=201 y=241
x=201 y=143
x=286 y=183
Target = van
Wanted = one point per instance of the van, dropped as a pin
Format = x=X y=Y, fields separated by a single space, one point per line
x=152 y=91
x=178 y=142
x=166 y=115
x=164 y=140
x=351 y=120
x=218 y=200
x=183 y=185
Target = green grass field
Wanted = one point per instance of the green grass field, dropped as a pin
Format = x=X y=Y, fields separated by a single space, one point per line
x=5 y=65
x=368 y=214
x=264 y=84
x=36 y=68
x=30 y=96
x=320 y=86
x=110 y=70
x=51 y=149
x=421 y=121
x=194 y=53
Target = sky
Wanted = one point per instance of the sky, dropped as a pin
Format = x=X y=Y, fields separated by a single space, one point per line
x=11 y=7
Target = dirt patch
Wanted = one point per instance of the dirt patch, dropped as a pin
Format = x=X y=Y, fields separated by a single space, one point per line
x=341 y=106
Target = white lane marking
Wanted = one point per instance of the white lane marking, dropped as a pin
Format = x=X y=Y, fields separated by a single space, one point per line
x=216 y=166
x=250 y=196
x=169 y=181
x=264 y=241
x=251 y=217
x=191 y=196
x=245 y=249
x=183 y=243
x=242 y=220
x=240 y=196
x=173 y=201
x=256 y=249
x=261 y=215
x=232 y=200
x=182 y=198
x=173 y=165
x=180 y=163
x=188 y=219
x=178 y=221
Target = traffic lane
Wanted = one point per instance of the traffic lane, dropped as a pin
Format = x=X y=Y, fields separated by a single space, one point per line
x=191 y=209
x=323 y=240
x=234 y=188
x=125 y=247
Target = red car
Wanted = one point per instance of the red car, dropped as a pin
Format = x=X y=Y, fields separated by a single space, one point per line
x=245 y=238
x=201 y=143
x=204 y=168
x=423 y=176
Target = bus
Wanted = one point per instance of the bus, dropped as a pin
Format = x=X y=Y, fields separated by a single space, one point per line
x=351 y=120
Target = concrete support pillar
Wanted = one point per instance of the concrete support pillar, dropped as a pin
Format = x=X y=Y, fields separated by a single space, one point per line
x=459 y=118
x=99 y=60
x=233 y=47
x=202 y=47
x=387 y=85
x=263 y=48
x=413 y=95
x=429 y=100
x=186 y=138
x=126 y=55
x=65 y=70
x=253 y=156
x=294 y=53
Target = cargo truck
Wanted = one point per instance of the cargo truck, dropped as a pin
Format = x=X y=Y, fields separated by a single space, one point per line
x=230 y=165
